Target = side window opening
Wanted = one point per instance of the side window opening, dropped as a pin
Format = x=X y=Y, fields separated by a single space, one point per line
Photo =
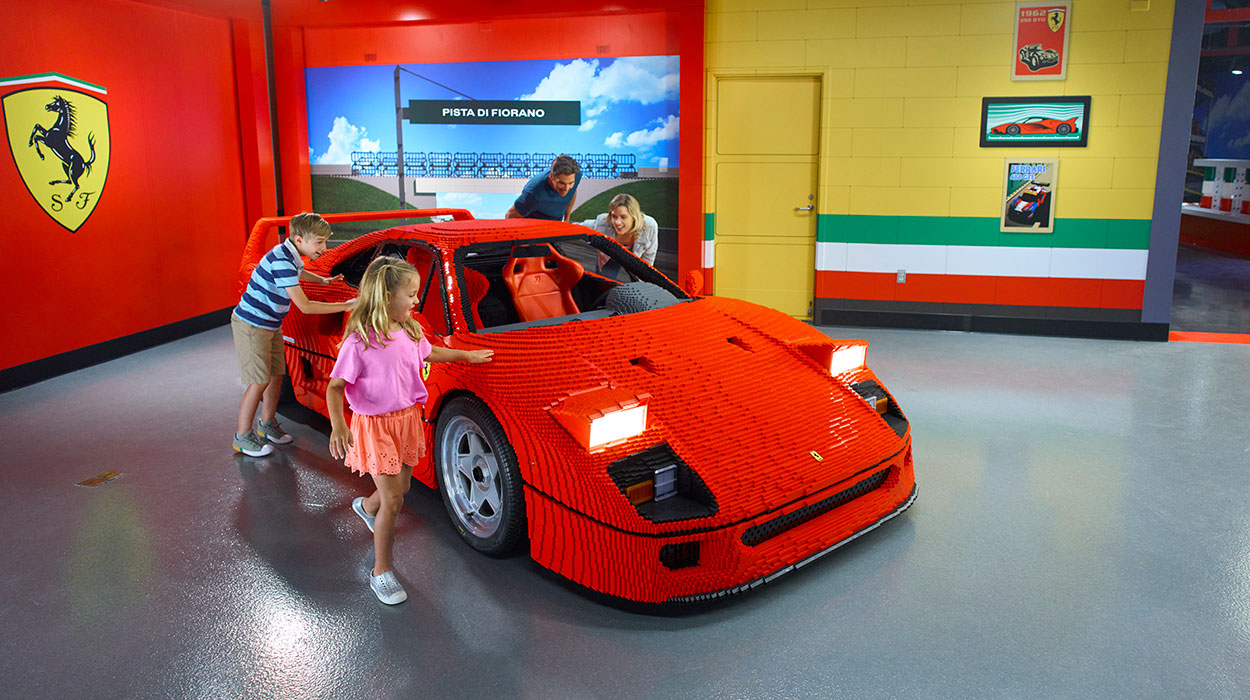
x=489 y=303
x=432 y=304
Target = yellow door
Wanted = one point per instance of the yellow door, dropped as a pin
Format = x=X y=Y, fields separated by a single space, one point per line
x=767 y=145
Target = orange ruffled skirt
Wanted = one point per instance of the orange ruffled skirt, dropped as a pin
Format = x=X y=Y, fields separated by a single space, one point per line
x=382 y=444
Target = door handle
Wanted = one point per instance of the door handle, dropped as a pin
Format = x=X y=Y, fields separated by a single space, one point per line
x=806 y=208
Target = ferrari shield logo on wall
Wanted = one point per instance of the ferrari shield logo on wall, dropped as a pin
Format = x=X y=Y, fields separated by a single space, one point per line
x=58 y=132
x=1055 y=18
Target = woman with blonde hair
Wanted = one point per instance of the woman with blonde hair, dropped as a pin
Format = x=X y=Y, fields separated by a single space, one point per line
x=635 y=231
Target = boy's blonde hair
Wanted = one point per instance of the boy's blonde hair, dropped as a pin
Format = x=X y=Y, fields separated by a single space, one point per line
x=382 y=279
x=308 y=225
x=631 y=205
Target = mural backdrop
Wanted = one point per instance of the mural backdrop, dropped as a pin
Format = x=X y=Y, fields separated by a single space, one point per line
x=618 y=117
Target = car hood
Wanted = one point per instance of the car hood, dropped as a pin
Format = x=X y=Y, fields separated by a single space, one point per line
x=729 y=386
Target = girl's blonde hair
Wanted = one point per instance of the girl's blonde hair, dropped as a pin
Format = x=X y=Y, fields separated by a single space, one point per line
x=631 y=205
x=382 y=278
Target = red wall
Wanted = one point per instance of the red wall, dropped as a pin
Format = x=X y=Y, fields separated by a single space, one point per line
x=192 y=165
x=163 y=242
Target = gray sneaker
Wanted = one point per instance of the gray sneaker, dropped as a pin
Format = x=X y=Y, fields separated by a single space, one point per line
x=251 y=445
x=273 y=432
x=387 y=588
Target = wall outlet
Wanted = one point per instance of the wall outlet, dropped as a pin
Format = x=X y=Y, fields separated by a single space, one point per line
x=902 y=277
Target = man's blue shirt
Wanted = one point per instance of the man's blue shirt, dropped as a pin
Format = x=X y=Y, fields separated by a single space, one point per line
x=539 y=201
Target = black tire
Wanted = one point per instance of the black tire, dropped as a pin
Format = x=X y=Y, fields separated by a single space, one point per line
x=1063 y=129
x=1013 y=130
x=478 y=477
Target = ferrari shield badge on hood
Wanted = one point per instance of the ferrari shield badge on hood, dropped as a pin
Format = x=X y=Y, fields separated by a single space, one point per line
x=58 y=134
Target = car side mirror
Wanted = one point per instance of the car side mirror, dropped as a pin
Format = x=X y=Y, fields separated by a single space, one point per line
x=693 y=283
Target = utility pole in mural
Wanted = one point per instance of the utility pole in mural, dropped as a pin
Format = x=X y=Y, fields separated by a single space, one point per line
x=58 y=134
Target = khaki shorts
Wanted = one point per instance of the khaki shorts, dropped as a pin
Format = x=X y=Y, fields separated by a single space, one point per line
x=259 y=351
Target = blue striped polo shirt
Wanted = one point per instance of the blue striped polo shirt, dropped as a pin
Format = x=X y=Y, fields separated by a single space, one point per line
x=265 y=302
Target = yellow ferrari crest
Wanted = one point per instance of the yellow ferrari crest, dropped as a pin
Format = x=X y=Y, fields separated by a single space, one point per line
x=1055 y=17
x=59 y=139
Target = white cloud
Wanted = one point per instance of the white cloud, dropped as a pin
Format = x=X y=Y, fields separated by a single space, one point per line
x=1232 y=108
x=345 y=138
x=641 y=79
x=567 y=81
x=665 y=130
x=588 y=125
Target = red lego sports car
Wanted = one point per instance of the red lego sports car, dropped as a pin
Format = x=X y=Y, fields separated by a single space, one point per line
x=646 y=443
x=1037 y=125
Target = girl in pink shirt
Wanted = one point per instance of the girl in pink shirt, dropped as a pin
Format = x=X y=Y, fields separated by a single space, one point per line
x=379 y=371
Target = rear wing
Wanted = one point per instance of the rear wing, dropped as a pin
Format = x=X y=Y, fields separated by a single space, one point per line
x=258 y=241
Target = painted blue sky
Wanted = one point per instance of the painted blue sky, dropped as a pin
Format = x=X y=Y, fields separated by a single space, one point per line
x=629 y=105
x=1228 y=130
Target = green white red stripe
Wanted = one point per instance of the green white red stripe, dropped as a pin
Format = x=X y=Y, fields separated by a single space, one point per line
x=52 y=78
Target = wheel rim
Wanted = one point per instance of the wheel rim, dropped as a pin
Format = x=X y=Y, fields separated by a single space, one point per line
x=470 y=476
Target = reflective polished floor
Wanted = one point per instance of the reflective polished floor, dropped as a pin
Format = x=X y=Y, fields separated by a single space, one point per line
x=1211 y=292
x=1082 y=530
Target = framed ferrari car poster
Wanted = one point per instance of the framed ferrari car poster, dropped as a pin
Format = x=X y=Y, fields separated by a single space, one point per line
x=1029 y=195
x=1035 y=121
x=1041 y=45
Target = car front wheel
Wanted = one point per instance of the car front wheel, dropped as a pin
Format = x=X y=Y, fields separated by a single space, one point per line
x=478 y=477
x=1013 y=130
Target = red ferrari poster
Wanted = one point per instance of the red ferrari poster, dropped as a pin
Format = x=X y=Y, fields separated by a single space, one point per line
x=1041 y=40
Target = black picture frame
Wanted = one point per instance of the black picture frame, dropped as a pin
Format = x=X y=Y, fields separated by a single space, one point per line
x=1067 y=122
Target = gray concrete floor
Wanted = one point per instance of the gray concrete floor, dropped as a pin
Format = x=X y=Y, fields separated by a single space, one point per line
x=1082 y=530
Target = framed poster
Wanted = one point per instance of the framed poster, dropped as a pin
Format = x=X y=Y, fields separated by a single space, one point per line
x=1034 y=121
x=1029 y=195
x=1041 y=44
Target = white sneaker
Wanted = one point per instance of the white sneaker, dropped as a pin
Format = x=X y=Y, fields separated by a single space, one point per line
x=387 y=588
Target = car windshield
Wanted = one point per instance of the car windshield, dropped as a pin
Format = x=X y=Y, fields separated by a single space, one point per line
x=510 y=285
x=1028 y=197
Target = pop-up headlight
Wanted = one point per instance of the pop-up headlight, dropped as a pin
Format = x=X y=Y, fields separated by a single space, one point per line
x=602 y=416
x=839 y=357
x=848 y=358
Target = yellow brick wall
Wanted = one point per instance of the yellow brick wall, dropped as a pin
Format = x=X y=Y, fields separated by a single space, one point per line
x=902 y=82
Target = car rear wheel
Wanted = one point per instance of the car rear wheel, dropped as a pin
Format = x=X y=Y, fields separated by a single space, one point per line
x=1063 y=129
x=1013 y=130
x=478 y=477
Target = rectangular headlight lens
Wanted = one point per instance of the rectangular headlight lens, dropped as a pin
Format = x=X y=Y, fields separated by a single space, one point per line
x=617 y=425
x=848 y=359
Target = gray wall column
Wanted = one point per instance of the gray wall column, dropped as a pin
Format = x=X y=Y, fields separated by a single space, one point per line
x=1178 y=112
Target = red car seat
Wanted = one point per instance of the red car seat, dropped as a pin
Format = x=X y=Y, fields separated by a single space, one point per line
x=541 y=282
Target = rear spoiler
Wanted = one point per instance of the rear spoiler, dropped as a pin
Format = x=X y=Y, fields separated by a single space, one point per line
x=258 y=241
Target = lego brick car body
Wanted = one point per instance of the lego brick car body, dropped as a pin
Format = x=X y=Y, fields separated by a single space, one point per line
x=643 y=442
x=1030 y=206
x=1037 y=125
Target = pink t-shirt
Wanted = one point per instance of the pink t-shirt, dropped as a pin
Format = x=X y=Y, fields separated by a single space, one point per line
x=381 y=379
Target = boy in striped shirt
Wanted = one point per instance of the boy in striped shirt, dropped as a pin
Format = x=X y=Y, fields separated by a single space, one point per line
x=257 y=326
